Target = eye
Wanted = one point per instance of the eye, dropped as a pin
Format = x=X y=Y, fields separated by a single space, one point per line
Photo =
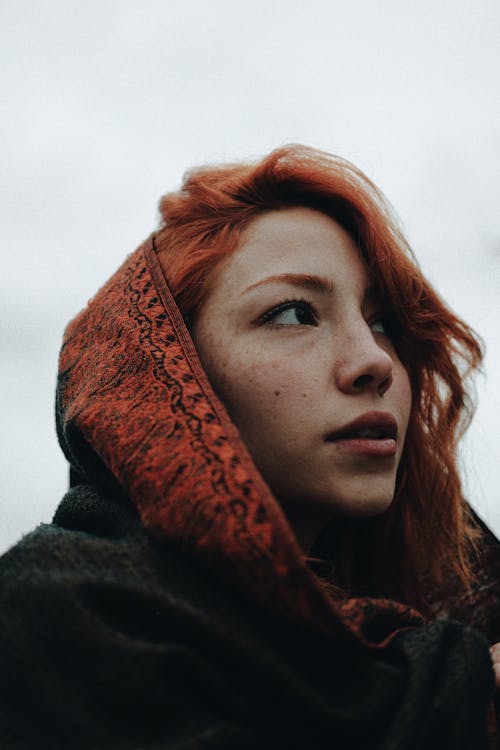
x=379 y=326
x=291 y=312
x=384 y=325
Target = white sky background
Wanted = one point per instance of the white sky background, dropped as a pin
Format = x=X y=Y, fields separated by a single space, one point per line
x=104 y=104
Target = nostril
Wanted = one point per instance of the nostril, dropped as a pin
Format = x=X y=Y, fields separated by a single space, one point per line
x=363 y=381
x=385 y=385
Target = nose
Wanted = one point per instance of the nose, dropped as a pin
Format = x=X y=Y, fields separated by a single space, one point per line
x=366 y=366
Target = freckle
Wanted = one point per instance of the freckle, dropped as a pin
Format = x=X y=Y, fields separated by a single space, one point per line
x=304 y=395
x=277 y=393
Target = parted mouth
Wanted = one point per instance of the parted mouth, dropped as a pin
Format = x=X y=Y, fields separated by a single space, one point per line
x=374 y=425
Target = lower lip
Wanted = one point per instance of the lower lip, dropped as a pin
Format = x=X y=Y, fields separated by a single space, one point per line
x=368 y=446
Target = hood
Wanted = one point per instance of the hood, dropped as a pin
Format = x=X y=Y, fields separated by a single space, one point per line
x=137 y=416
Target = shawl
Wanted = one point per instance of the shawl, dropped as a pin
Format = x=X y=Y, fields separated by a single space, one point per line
x=168 y=604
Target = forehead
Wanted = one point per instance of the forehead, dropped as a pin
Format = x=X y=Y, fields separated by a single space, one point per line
x=296 y=240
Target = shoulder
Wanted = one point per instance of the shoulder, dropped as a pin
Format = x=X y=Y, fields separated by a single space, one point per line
x=98 y=544
x=105 y=633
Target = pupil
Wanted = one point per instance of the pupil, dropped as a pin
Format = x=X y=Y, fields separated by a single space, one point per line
x=301 y=314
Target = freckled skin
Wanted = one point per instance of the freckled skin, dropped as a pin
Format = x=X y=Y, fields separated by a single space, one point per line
x=326 y=374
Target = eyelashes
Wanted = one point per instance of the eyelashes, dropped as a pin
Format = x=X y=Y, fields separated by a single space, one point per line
x=290 y=312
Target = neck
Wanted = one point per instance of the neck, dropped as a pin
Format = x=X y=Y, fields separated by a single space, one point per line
x=305 y=526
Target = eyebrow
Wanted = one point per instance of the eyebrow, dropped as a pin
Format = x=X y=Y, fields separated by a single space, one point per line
x=304 y=280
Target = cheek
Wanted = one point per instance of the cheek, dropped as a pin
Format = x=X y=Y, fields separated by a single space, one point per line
x=269 y=395
x=257 y=389
x=404 y=396
x=263 y=395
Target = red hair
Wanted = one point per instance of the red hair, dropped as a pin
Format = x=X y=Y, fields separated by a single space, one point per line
x=428 y=533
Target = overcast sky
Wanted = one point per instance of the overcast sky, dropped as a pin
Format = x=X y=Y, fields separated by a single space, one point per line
x=106 y=103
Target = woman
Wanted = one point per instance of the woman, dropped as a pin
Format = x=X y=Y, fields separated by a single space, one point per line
x=260 y=410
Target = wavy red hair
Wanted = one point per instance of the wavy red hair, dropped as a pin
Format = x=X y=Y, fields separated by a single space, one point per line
x=428 y=533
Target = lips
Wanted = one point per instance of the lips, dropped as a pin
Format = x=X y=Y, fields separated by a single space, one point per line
x=374 y=425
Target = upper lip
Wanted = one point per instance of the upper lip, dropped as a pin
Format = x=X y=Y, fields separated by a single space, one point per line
x=381 y=421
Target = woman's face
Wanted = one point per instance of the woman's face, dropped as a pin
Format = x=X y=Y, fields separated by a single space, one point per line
x=294 y=343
